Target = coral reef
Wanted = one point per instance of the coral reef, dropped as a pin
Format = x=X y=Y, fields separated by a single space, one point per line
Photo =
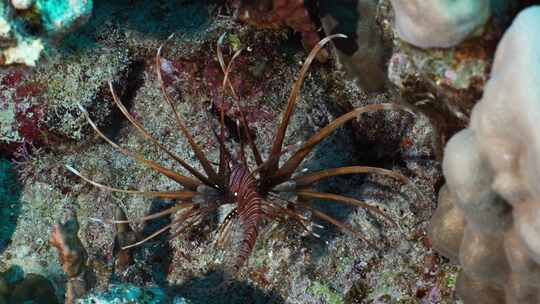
x=41 y=110
x=439 y=23
x=445 y=83
x=26 y=27
x=59 y=17
x=488 y=214
x=119 y=43
x=73 y=257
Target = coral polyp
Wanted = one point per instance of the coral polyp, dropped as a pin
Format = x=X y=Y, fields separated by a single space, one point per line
x=260 y=191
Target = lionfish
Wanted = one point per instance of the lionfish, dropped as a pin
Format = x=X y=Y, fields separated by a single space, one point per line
x=253 y=191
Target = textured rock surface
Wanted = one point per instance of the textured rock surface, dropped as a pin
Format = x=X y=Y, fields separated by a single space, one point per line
x=39 y=106
x=277 y=14
x=492 y=173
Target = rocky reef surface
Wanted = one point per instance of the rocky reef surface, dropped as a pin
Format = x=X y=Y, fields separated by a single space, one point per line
x=42 y=130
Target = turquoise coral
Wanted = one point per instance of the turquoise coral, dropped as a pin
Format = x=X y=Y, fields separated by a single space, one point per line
x=126 y=293
x=53 y=18
x=59 y=16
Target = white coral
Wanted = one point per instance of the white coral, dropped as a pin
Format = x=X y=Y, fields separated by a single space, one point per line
x=439 y=23
x=493 y=176
x=26 y=52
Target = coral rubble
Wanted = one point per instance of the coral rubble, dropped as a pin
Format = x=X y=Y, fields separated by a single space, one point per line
x=488 y=214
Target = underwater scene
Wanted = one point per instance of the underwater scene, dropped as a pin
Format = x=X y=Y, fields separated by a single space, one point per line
x=269 y=151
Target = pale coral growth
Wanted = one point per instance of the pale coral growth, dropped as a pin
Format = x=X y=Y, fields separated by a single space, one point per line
x=489 y=216
x=22 y=4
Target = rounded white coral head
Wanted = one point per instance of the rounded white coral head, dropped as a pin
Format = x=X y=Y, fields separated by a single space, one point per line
x=506 y=123
x=507 y=118
x=439 y=23
x=22 y=4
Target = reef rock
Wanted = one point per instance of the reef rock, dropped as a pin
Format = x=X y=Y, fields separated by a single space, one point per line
x=33 y=288
x=492 y=170
x=363 y=53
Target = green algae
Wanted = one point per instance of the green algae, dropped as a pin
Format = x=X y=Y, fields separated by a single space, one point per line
x=321 y=290
x=235 y=42
x=451 y=280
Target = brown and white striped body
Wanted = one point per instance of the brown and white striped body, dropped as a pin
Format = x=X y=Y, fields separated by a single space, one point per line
x=243 y=187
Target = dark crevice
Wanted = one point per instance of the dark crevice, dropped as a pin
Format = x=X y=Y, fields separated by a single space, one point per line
x=126 y=88
x=231 y=127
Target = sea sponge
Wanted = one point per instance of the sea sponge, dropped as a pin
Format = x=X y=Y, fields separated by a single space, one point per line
x=492 y=170
x=439 y=23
